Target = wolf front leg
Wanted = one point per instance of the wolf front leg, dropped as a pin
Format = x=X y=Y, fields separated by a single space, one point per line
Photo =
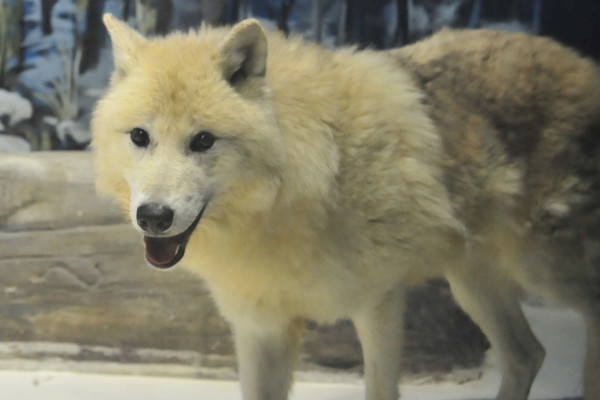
x=380 y=330
x=266 y=358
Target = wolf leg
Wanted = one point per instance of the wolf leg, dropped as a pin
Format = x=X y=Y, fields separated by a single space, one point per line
x=584 y=296
x=571 y=276
x=494 y=306
x=592 y=364
x=266 y=359
x=380 y=330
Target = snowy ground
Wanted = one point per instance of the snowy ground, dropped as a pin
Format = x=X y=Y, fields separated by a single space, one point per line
x=561 y=332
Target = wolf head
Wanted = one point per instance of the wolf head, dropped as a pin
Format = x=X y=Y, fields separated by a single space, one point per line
x=186 y=132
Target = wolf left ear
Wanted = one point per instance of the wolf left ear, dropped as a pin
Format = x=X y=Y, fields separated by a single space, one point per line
x=126 y=44
x=244 y=53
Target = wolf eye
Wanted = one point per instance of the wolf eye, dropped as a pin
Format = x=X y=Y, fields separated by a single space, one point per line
x=139 y=137
x=203 y=141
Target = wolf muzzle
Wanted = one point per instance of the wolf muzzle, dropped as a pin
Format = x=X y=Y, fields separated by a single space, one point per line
x=155 y=219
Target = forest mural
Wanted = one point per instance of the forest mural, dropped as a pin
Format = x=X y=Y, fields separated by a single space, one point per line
x=55 y=56
x=45 y=47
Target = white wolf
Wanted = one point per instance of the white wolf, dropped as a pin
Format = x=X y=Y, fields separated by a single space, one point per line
x=306 y=183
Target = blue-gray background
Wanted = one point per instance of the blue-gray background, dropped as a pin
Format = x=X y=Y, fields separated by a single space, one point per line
x=55 y=56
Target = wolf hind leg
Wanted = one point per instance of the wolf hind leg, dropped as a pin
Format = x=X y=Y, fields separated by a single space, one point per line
x=582 y=293
x=380 y=330
x=266 y=359
x=584 y=297
x=571 y=277
x=494 y=306
x=592 y=364
x=586 y=300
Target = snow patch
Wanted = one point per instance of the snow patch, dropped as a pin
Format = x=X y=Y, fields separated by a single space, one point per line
x=15 y=107
x=13 y=144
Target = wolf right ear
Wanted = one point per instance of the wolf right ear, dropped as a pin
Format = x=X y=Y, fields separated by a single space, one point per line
x=244 y=53
x=126 y=44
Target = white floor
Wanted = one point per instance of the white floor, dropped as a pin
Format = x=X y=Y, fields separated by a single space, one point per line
x=561 y=332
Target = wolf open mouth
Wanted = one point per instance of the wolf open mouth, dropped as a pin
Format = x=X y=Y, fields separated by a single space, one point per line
x=165 y=252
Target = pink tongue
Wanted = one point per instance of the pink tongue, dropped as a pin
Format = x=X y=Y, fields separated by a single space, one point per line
x=160 y=251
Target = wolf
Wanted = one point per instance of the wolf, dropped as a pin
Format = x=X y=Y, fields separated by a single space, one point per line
x=306 y=183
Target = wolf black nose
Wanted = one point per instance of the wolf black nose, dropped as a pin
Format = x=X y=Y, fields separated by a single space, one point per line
x=154 y=217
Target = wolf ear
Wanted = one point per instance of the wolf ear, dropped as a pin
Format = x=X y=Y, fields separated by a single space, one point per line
x=126 y=44
x=244 y=53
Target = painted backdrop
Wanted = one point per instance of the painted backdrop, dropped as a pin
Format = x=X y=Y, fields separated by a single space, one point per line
x=55 y=55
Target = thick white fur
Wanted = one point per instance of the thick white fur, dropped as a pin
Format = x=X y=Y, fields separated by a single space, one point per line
x=326 y=193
